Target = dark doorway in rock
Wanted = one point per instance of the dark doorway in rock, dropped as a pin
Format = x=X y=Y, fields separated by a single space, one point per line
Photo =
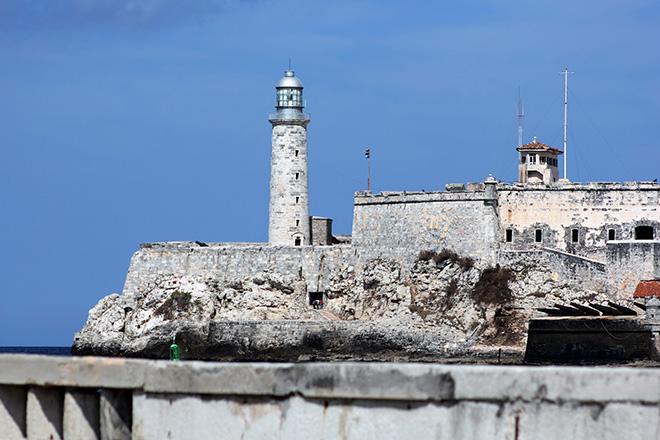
x=644 y=233
x=315 y=296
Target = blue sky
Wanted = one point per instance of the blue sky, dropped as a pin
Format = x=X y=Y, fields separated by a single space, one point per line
x=126 y=121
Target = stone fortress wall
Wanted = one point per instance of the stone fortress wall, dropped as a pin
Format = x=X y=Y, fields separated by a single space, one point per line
x=224 y=262
x=593 y=210
x=471 y=220
x=402 y=224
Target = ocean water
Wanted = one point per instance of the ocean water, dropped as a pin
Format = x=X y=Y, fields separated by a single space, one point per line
x=53 y=351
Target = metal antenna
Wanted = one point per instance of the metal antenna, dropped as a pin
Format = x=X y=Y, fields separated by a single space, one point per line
x=565 y=73
x=521 y=116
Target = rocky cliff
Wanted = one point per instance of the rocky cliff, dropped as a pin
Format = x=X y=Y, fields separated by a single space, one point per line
x=440 y=306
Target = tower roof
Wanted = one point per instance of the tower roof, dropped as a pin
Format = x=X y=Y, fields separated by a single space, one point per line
x=289 y=80
x=537 y=146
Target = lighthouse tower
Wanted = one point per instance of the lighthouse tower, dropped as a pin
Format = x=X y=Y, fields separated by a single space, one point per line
x=288 y=216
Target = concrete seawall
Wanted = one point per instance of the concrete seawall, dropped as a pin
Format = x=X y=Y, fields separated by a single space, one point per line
x=103 y=398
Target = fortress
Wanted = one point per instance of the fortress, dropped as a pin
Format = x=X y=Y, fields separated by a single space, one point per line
x=601 y=234
x=423 y=274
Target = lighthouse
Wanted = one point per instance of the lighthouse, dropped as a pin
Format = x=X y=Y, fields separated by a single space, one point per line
x=288 y=215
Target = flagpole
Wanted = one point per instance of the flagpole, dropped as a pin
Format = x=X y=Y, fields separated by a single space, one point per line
x=369 y=172
x=367 y=154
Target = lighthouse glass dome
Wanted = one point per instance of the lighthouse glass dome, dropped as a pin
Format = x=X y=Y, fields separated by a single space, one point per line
x=289 y=91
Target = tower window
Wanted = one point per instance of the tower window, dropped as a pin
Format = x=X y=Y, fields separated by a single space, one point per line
x=611 y=234
x=522 y=159
x=297 y=222
x=297 y=151
x=297 y=176
x=297 y=241
x=538 y=236
x=297 y=199
x=509 y=235
x=644 y=233
x=575 y=235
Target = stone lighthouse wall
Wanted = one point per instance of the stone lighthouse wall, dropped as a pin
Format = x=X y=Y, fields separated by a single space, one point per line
x=289 y=200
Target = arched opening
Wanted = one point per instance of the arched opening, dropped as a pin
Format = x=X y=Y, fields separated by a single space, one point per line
x=644 y=233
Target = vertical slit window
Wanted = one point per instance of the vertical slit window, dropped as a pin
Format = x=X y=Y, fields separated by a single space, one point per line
x=575 y=235
x=611 y=234
x=538 y=236
x=509 y=235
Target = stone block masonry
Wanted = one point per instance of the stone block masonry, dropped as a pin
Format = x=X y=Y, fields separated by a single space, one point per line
x=289 y=201
x=403 y=224
x=225 y=263
x=631 y=261
x=198 y=400
x=576 y=218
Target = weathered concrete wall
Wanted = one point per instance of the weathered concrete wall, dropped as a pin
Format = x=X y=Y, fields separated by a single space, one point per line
x=195 y=400
x=630 y=262
x=592 y=209
x=226 y=263
x=403 y=224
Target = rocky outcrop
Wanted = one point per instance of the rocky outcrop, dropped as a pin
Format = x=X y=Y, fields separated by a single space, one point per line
x=442 y=305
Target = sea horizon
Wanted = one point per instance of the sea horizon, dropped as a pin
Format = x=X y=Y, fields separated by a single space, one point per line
x=53 y=350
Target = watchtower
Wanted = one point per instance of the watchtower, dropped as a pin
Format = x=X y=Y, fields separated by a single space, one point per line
x=538 y=163
x=288 y=216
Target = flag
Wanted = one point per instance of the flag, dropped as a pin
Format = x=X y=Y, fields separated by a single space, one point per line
x=367 y=153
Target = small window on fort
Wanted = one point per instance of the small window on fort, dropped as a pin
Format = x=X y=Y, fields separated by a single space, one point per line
x=538 y=236
x=575 y=235
x=611 y=235
x=297 y=151
x=297 y=222
x=509 y=235
x=297 y=176
x=644 y=233
x=297 y=241
x=522 y=159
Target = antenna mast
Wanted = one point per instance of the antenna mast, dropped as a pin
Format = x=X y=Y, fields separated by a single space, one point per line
x=521 y=116
x=565 y=72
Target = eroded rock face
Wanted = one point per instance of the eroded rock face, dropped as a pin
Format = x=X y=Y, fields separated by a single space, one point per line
x=462 y=305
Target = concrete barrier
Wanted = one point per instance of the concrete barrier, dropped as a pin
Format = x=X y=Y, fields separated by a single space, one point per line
x=113 y=398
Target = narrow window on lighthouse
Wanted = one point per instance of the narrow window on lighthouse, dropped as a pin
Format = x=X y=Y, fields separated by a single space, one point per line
x=297 y=151
x=297 y=222
x=297 y=176
x=297 y=199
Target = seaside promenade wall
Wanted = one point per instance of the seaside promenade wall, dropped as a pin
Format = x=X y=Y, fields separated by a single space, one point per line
x=56 y=398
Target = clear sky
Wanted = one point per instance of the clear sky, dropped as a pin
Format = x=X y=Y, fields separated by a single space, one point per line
x=127 y=121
